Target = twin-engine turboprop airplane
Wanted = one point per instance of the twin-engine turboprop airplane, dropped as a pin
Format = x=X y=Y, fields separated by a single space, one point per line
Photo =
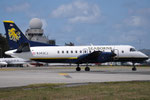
x=23 y=48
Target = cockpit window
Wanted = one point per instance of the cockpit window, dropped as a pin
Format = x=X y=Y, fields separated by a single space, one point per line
x=132 y=49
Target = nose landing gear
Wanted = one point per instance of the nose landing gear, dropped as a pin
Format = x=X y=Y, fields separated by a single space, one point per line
x=134 y=67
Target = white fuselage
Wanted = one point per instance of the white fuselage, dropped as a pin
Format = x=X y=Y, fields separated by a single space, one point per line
x=73 y=52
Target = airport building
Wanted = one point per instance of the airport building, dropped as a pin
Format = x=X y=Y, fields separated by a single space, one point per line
x=36 y=33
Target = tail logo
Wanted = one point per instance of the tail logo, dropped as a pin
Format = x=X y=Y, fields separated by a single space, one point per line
x=13 y=34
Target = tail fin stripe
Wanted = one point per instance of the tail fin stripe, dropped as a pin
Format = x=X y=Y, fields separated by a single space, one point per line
x=5 y=21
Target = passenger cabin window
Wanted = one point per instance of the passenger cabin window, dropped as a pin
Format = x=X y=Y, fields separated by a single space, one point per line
x=62 y=51
x=76 y=51
x=132 y=50
x=67 y=52
x=122 y=51
x=57 y=51
x=80 y=51
x=71 y=51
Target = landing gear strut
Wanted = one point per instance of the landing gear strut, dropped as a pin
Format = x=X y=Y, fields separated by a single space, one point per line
x=134 y=67
x=78 y=68
x=87 y=68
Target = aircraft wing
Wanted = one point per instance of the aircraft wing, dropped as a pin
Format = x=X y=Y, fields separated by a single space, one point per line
x=89 y=57
x=96 y=56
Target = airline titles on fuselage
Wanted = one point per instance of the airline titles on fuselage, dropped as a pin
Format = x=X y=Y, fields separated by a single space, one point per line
x=99 y=48
x=40 y=53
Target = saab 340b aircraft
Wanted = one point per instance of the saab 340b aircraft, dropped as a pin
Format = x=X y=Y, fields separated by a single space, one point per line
x=23 y=48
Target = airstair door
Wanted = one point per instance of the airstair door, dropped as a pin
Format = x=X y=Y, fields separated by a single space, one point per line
x=116 y=51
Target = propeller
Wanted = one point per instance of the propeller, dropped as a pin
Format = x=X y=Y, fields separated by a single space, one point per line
x=113 y=53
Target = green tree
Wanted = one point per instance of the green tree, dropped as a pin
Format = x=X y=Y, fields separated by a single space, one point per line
x=3 y=45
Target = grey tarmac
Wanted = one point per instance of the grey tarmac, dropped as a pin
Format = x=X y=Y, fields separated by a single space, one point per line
x=14 y=77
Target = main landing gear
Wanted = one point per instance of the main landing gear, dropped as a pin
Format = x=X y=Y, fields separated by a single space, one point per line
x=86 y=68
x=134 y=67
x=78 y=68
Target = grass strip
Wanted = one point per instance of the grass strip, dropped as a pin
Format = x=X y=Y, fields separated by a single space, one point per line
x=91 y=91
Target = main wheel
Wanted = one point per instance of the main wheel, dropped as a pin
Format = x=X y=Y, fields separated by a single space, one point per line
x=78 y=69
x=87 y=69
x=134 y=69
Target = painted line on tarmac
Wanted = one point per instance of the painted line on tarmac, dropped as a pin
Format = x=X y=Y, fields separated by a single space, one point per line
x=65 y=75
x=8 y=69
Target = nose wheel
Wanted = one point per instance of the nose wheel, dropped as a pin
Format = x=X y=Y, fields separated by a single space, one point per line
x=134 y=67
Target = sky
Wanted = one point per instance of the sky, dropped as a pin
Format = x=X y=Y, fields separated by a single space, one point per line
x=84 y=22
